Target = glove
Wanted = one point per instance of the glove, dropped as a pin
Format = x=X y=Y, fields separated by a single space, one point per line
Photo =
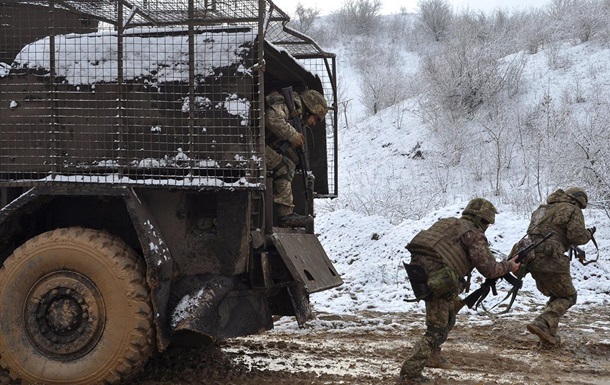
x=298 y=141
x=592 y=230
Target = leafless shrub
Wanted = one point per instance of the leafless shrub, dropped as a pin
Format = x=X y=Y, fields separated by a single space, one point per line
x=305 y=18
x=435 y=16
x=358 y=17
x=382 y=81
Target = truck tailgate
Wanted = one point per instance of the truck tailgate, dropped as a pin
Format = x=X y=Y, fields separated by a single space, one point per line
x=307 y=261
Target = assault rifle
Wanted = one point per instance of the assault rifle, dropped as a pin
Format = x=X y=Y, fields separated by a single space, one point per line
x=475 y=298
x=295 y=121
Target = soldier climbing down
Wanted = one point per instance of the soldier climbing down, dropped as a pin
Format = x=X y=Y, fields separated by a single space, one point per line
x=280 y=158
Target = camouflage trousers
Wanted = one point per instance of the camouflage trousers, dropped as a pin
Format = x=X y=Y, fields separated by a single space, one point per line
x=282 y=171
x=440 y=319
x=562 y=296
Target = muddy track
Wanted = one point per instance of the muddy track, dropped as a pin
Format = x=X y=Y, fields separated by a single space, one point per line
x=368 y=349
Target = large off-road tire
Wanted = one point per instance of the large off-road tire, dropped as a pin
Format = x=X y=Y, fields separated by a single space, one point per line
x=74 y=310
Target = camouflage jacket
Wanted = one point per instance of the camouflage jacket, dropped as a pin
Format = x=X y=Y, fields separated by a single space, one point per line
x=278 y=128
x=562 y=216
x=460 y=244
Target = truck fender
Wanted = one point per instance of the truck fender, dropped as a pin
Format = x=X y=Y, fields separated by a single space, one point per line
x=159 y=263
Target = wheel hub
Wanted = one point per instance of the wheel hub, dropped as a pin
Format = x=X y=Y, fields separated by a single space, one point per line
x=64 y=315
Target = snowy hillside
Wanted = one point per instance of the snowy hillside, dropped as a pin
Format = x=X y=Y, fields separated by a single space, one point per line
x=393 y=183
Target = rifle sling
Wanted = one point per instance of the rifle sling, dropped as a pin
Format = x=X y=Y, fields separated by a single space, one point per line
x=512 y=280
x=511 y=293
x=584 y=262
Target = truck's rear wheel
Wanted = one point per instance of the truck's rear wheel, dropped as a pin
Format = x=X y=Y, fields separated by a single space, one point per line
x=74 y=309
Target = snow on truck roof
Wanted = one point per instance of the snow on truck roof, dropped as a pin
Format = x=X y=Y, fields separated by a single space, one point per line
x=159 y=55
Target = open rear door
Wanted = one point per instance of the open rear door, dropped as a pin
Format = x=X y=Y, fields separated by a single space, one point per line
x=307 y=261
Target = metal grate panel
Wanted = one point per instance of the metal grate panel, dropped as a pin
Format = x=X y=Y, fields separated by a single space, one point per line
x=139 y=92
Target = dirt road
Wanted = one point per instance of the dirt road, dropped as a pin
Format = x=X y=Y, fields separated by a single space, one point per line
x=368 y=349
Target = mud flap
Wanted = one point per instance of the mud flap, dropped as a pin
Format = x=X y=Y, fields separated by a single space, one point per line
x=213 y=307
x=307 y=261
x=159 y=261
x=301 y=305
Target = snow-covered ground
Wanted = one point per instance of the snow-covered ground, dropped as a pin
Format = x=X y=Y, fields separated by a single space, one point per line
x=377 y=168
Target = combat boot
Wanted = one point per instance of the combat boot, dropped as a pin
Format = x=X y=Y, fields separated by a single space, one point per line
x=545 y=346
x=540 y=328
x=411 y=375
x=295 y=220
x=438 y=361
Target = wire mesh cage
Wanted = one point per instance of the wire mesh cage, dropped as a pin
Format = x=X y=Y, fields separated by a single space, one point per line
x=148 y=92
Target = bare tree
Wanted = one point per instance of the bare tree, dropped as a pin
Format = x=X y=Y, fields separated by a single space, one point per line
x=559 y=8
x=549 y=154
x=436 y=15
x=305 y=18
x=533 y=33
x=588 y=19
x=469 y=72
x=591 y=136
x=382 y=80
x=358 y=17
x=500 y=138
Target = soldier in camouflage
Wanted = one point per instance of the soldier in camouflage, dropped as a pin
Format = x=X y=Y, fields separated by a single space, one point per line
x=281 y=140
x=448 y=252
x=549 y=265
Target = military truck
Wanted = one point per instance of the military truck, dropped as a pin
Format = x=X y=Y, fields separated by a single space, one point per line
x=136 y=211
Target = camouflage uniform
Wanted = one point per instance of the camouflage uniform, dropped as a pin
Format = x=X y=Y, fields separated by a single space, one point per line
x=282 y=167
x=455 y=246
x=549 y=265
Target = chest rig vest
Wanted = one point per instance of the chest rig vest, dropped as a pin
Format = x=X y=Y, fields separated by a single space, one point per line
x=442 y=240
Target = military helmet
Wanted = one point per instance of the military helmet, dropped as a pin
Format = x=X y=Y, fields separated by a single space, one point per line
x=481 y=208
x=578 y=195
x=315 y=103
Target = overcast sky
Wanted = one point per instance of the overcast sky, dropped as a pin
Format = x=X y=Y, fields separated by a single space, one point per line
x=394 y=6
